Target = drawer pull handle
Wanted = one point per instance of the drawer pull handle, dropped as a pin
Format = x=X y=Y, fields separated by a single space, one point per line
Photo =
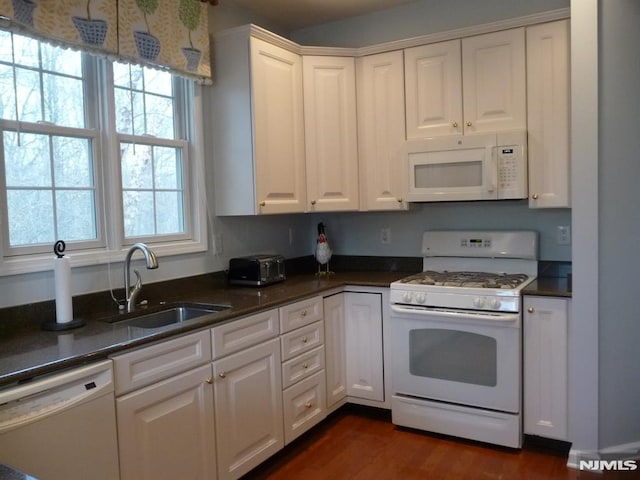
x=305 y=365
x=303 y=313
x=210 y=380
x=222 y=375
x=305 y=339
x=530 y=309
x=308 y=405
x=263 y=203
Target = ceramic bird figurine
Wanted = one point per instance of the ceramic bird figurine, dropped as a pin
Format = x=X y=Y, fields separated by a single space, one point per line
x=323 y=251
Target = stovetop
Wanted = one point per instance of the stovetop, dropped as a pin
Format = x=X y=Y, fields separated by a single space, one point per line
x=467 y=279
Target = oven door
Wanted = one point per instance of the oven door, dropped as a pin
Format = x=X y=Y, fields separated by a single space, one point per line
x=452 y=168
x=458 y=356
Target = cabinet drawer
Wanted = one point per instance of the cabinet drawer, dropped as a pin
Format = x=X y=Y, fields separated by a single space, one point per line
x=302 y=340
x=304 y=406
x=300 y=314
x=302 y=366
x=245 y=332
x=151 y=364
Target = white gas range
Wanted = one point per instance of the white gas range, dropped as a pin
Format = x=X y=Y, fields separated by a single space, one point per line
x=457 y=340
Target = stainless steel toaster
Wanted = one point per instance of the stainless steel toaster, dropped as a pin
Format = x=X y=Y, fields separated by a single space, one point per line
x=256 y=270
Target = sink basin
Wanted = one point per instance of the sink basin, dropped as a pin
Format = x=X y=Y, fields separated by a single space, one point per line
x=167 y=315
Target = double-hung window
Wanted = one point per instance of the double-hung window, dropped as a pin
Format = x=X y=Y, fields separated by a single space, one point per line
x=97 y=153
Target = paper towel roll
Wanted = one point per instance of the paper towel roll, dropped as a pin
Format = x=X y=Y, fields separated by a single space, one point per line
x=62 y=279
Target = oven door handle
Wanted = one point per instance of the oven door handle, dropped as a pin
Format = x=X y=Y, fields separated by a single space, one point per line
x=462 y=315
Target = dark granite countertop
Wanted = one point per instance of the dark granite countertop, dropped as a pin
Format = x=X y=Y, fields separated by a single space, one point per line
x=548 y=287
x=26 y=350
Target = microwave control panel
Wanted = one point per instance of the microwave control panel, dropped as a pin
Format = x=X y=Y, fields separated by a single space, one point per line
x=512 y=171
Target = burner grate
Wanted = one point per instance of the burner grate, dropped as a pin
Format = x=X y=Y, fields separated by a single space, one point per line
x=467 y=279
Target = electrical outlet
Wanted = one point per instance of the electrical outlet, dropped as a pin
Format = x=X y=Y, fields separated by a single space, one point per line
x=563 y=235
x=385 y=236
x=217 y=244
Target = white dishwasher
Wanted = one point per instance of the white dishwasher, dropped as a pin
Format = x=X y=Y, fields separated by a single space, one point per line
x=62 y=426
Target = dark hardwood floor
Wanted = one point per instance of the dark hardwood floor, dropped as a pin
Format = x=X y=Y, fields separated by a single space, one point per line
x=362 y=444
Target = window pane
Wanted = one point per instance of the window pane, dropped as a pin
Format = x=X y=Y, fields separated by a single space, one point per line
x=159 y=112
x=72 y=162
x=75 y=211
x=30 y=215
x=6 y=47
x=169 y=218
x=27 y=165
x=138 y=213
x=124 y=117
x=29 y=95
x=7 y=93
x=157 y=81
x=137 y=166
x=64 y=100
x=26 y=51
x=168 y=168
x=59 y=60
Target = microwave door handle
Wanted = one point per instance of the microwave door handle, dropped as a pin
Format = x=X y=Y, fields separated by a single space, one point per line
x=492 y=180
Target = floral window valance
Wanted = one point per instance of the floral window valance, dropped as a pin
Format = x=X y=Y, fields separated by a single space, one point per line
x=166 y=33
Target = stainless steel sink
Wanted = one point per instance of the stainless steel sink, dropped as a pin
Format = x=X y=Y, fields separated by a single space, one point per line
x=169 y=314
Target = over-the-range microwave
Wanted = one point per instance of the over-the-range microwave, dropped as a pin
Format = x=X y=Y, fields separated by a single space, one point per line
x=473 y=167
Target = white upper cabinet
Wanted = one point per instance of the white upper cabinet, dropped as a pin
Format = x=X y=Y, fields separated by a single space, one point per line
x=330 y=133
x=494 y=82
x=381 y=133
x=548 y=98
x=257 y=127
x=468 y=86
x=433 y=85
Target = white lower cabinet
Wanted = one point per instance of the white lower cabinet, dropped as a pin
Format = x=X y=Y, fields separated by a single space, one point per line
x=545 y=366
x=304 y=406
x=248 y=408
x=335 y=350
x=363 y=334
x=164 y=409
x=166 y=430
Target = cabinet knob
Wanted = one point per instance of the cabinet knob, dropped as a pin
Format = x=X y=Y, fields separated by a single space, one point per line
x=399 y=199
x=313 y=202
x=530 y=310
x=305 y=365
x=454 y=124
x=210 y=380
x=305 y=339
x=222 y=375
x=534 y=196
x=263 y=203
x=303 y=313
x=469 y=124
x=308 y=405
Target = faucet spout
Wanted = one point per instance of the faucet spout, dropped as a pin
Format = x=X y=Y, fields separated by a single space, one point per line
x=152 y=263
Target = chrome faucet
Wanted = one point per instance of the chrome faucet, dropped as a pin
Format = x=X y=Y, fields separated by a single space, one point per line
x=131 y=294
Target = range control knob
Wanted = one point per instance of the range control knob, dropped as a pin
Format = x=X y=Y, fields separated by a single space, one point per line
x=478 y=302
x=407 y=297
x=495 y=303
x=421 y=297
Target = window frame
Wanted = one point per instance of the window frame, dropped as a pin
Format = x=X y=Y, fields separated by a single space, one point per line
x=111 y=244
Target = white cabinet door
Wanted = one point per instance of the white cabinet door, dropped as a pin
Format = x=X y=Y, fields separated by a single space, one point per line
x=545 y=366
x=363 y=331
x=381 y=133
x=548 y=107
x=278 y=121
x=304 y=406
x=335 y=350
x=166 y=430
x=433 y=84
x=248 y=408
x=494 y=82
x=254 y=113
x=330 y=133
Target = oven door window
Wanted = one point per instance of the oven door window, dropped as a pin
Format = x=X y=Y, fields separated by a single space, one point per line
x=453 y=355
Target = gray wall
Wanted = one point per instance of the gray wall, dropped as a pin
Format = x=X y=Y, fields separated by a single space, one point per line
x=418 y=18
x=619 y=227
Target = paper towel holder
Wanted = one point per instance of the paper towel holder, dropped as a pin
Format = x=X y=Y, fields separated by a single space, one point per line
x=53 y=325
